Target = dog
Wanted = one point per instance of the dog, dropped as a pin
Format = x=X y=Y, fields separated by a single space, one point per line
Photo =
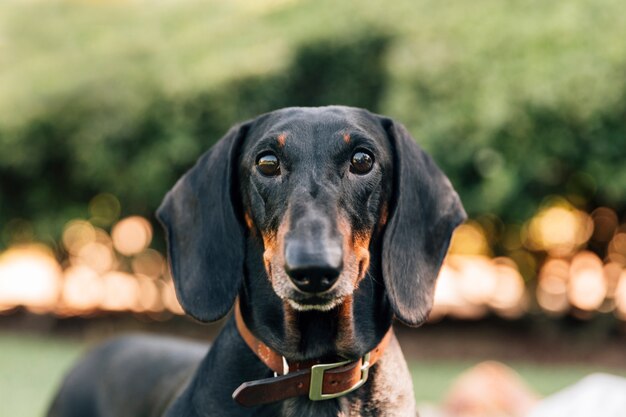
x=320 y=226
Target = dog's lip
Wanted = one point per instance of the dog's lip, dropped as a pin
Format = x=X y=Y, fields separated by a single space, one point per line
x=325 y=306
x=318 y=297
x=313 y=300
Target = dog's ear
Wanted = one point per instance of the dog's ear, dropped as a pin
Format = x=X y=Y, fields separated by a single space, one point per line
x=425 y=211
x=205 y=239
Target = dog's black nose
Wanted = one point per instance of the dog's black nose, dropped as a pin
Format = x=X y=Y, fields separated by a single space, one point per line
x=313 y=269
x=313 y=279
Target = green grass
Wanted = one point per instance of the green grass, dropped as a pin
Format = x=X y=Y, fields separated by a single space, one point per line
x=31 y=368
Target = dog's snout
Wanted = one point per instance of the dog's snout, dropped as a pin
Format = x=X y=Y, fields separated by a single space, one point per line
x=313 y=279
x=313 y=268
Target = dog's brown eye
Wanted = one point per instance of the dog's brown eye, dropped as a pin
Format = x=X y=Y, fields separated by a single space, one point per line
x=268 y=164
x=361 y=162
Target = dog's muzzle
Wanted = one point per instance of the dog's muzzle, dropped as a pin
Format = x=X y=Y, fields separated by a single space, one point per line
x=313 y=265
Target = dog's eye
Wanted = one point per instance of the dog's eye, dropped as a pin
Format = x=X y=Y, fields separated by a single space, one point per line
x=268 y=164
x=361 y=162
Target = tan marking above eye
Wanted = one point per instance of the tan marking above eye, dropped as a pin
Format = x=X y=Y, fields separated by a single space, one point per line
x=346 y=137
x=281 y=139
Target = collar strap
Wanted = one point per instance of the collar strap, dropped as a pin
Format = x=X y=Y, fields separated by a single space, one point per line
x=320 y=381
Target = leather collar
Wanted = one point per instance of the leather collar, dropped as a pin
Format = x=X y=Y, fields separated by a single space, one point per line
x=320 y=381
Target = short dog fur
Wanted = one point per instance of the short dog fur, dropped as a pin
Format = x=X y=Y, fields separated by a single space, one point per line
x=326 y=223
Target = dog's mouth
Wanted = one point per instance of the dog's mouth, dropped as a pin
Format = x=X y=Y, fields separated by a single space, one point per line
x=298 y=289
x=319 y=302
x=328 y=300
x=303 y=301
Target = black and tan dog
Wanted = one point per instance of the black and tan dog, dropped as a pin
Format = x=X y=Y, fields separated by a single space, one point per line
x=324 y=224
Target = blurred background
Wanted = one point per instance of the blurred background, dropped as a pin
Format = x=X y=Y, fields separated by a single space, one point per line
x=104 y=104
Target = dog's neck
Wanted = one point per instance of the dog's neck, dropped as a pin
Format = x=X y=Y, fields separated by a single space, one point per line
x=349 y=330
x=230 y=362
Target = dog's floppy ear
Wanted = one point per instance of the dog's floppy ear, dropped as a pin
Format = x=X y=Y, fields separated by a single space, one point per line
x=205 y=239
x=425 y=212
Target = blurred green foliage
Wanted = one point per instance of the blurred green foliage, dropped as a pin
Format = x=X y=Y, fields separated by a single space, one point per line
x=517 y=100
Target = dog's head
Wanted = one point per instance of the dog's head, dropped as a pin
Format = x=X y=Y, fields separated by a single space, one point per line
x=324 y=191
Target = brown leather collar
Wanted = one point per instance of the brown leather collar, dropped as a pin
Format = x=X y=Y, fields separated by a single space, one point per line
x=320 y=381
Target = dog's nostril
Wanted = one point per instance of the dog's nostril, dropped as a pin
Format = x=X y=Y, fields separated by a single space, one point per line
x=313 y=266
x=313 y=279
x=304 y=281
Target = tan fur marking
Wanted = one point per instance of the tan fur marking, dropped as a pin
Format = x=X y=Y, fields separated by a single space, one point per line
x=355 y=251
x=384 y=214
x=360 y=245
x=269 y=243
x=345 y=336
x=273 y=243
x=281 y=139
x=249 y=221
x=346 y=137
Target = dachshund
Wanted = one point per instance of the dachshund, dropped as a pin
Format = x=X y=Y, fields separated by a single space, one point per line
x=320 y=226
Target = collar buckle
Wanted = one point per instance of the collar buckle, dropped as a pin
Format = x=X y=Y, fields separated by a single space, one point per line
x=317 y=379
x=285 y=367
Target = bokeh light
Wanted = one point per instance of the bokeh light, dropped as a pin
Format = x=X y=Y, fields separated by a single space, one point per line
x=169 y=298
x=104 y=209
x=468 y=286
x=617 y=249
x=131 y=235
x=612 y=272
x=552 y=288
x=101 y=273
x=620 y=296
x=82 y=290
x=469 y=239
x=477 y=278
x=104 y=272
x=604 y=223
x=587 y=286
x=149 y=295
x=509 y=293
x=77 y=234
x=149 y=263
x=449 y=299
x=95 y=255
x=120 y=291
x=559 y=229
x=29 y=276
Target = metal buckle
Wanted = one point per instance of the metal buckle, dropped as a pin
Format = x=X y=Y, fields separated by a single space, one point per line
x=317 y=379
x=285 y=367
